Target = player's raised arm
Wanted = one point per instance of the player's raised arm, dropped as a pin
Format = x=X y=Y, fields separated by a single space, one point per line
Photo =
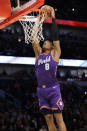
x=55 y=36
x=35 y=44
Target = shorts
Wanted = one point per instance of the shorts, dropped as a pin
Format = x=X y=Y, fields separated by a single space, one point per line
x=50 y=100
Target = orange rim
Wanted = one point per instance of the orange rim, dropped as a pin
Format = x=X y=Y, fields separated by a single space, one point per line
x=27 y=17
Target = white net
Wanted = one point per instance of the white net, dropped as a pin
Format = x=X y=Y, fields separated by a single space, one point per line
x=28 y=27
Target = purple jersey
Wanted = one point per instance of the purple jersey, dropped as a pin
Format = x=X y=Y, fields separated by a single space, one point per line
x=46 y=68
x=50 y=97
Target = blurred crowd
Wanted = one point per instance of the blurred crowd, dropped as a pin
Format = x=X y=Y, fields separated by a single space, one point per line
x=19 y=110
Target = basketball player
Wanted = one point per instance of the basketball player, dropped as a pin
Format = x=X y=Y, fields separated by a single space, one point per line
x=48 y=90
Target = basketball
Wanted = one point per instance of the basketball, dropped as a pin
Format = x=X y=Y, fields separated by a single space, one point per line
x=47 y=10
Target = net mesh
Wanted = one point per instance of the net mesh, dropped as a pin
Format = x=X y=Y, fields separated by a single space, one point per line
x=28 y=27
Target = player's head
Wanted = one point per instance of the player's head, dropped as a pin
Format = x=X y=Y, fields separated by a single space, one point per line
x=47 y=45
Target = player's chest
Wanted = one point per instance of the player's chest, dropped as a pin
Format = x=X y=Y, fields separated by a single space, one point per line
x=45 y=63
x=43 y=60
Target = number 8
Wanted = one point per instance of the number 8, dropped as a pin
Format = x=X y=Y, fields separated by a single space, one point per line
x=46 y=66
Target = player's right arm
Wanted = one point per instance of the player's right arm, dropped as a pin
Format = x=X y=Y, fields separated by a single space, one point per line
x=35 y=43
x=36 y=47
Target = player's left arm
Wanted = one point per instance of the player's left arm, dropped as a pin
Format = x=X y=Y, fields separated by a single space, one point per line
x=56 y=50
x=55 y=36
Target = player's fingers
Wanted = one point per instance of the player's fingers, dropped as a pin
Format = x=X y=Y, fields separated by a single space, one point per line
x=51 y=9
x=52 y=12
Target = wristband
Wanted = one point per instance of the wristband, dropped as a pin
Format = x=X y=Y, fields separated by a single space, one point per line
x=54 y=31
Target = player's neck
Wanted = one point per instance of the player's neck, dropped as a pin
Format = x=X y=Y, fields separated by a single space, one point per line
x=46 y=51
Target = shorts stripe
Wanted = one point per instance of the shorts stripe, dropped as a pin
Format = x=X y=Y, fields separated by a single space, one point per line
x=48 y=108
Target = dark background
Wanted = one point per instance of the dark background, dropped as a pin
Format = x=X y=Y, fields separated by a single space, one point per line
x=65 y=9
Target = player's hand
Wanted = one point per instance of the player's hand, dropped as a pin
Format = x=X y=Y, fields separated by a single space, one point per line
x=52 y=12
x=42 y=14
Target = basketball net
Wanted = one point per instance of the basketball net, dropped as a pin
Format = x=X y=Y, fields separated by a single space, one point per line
x=28 y=23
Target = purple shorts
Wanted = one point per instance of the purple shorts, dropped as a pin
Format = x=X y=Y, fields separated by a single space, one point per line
x=50 y=98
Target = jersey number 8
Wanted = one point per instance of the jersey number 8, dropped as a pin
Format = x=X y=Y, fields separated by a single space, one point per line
x=47 y=66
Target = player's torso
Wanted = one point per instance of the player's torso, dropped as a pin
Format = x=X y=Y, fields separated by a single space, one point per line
x=46 y=68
